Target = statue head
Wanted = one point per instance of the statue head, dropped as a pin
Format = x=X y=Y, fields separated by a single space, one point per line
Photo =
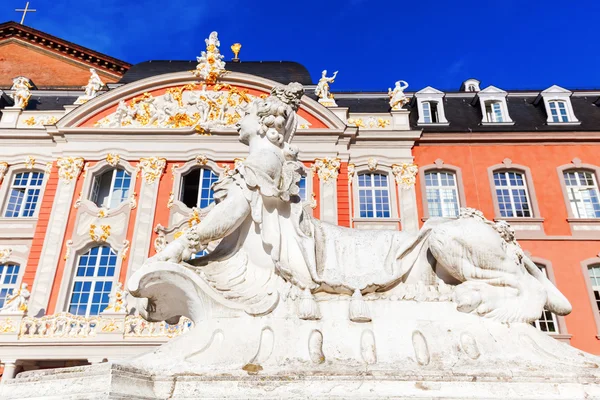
x=273 y=117
x=324 y=73
x=506 y=231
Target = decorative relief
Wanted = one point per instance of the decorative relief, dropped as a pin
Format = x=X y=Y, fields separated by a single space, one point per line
x=29 y=162
x=161 y=240
x=194 y=217
x=69 y=168
x=132 y=201
x=397 y=97
x=125 y=249
x=371 y=122
x=174 y=171
x=5 y=255
x=152 y=168
x=69 y=246
x=117 y=299
x=102 y=212
x=6 y=326
x=21 y=91
x=405 y=174
x=351 y=172
x=313 y=201
x=86 y=167
x=136 y=326
x=99 y=233
x=113 y=159
x=201 y=159
x=327 y=168
x=3 y=170
x=61 y=325
x=171 y=200
x=77 y=203
x=17 y=302
x=372 y=164
x=358 y=122
x=48 y=168
x=210 y=63
x=41 y=121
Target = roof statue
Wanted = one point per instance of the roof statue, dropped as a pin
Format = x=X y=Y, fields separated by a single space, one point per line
x=92 y=88
x=397 y=97
x=21 y=91
x=281 y=281
x=322 y=89
x=210 y=63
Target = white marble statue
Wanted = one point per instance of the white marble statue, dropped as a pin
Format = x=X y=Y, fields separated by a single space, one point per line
x=397 y=97
x=322 y=89
x=16 y=302
x=21 y=91
x=92 y=88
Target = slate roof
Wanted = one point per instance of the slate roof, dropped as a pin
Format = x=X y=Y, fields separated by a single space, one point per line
x=278 y=71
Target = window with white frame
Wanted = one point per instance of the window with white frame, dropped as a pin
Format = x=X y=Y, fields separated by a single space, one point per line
x=111 y=188
x=373 y=195
x=430 y=112
x=547 y=322
x=582 y=190
x=493 y=111
x=196 y=187
x=512 y=195
x=594 y=272
x=93 y=280
x=9 y=274
x=442 y=194
x=558 y=111
x=24 y=194
x=302 y=186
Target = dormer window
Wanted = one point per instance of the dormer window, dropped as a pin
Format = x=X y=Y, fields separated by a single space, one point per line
x=430 y=106
x=470 y=85
x=557 y=102
x=493 y=106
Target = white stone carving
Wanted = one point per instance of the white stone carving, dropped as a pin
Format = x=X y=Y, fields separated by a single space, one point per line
x=372 y=164
x=29 y=162
x=322 y=89
x=397 y=97
x=21 y=91
x=210 y=63
x=5 y=254
x=92 y=88
x=41 y=120
x=3 y=170
x=113 y=159
x=16 y=302
x=152 y=168
x=61 y=325
x=405 y=174
x=136 y=326
x=99 y=233
x=327 y=168
x=69 y=168
x=125 y=249
x=69 y=249
x=117 y=302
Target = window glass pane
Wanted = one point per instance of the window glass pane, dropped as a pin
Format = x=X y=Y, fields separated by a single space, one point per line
x=511 y=194
x=582 y=192
x=24 y=195
x=373 y=196
x=442 y=194
x=9 y=275
x=302 y=187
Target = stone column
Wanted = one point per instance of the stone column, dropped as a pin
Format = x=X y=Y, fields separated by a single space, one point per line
x=151 y=170
x=406 y=176
x=10 y=367
x=69 y=169
x=327 y=171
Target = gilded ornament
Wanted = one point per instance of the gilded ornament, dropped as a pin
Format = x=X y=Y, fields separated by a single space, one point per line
x=194 y=219
x=102 y=213
x=405 y=174
x=125 y=249
x=201 y=159
x=48 y=168
x=358 y=122
x=236 y=47
x=351 y=172
x=110 y=326
x=117 y=299
x=372 y=164
x=303 y=126
x=397 y=97
x=210 y=63
x=99 y=233
x=113 y=159
x=30 y=121
x=171 y=200
x=21 y=91
x=132 y=201
x=6 y=326
x=382 y=123
x=3 y=170
x=29 y=162
x=41 y=121
x=17 y=301
x=69 y=246
x=327 y=168
x=151 y=168
x=5 y=254
x=69 y=168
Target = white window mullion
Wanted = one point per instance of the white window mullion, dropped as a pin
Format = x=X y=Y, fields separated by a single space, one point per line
x=107 y=203
x=200 y=179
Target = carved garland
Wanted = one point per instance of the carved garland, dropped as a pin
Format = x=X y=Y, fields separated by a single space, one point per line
x=327 y=168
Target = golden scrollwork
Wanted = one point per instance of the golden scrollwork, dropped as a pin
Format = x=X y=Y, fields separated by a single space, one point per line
x=151 y=168
x=29 y=162
x=69 y=168
x=405 y=174
x=113 y=159
x=99 y=233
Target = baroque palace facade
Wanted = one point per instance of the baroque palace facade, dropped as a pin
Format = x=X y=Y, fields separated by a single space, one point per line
x=98 y=173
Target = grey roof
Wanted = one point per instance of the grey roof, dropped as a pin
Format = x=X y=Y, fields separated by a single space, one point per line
x=47 y=103
x=278 y=71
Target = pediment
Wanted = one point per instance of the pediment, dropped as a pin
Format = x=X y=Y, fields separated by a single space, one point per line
x=430 y=90
x=555 y=89
x=492 y=90
x=179 y=101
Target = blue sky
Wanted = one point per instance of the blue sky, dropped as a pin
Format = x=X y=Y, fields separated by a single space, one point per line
x=512 y=44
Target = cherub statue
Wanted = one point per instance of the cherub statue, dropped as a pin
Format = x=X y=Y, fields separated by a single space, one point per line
x=397 y=96
x=322 y=89
x=21 y=87
x=17 y=302
x=94 y=84
x=117 y=299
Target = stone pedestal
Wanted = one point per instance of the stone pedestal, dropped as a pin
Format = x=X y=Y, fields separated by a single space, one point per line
x=10 y=117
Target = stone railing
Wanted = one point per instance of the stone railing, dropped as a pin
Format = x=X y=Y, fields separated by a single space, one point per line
x=67 y=327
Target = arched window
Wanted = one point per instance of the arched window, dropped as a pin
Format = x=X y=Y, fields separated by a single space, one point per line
x=373 y=195
x=430 y=112
x=111 y=188
x=24 y=194
x=594 y=274
x=93 y=280
x=472 y=88
x=511 y=194
x=493 y=110
x=582 y=190
x=558 y=111
x=547 y=322
x=442 y=194
x=9 y=274
x=196 y=188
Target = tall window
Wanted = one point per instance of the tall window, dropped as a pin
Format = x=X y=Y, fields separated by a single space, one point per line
x=196 y=188
x=583 y=193
x=558 y=111
x=547 y=322
x=8 y=281
x=442 y=194
x=594 y=271
x=24 y=194
x=302 y=186
x=430 y=112
x=511 y=192
x=111 y=188
x=373 y=196
x=93 y=281
x=493 y=111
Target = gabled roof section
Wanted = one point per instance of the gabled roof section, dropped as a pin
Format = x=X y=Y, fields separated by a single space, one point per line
x=93 y=59
x=492 y=90
x=556 y=89
x=429 y=90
